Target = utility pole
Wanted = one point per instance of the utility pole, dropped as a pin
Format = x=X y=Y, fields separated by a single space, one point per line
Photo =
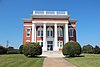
x=7 y=43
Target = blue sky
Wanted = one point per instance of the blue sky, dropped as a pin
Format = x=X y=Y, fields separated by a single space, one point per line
x=87 y=12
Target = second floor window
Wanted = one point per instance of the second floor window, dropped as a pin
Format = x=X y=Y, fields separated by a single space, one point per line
x=49 y=32
x=40 y=31
x=59 y=32
x=71 y=32
x=28 y=32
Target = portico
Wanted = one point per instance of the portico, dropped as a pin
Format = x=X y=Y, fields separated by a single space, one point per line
x=48 y=28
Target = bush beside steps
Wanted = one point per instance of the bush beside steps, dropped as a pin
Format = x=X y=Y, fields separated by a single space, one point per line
x=71 y=49
x=32 y=49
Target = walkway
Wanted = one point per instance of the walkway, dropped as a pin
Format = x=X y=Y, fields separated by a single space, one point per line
x=55 y=59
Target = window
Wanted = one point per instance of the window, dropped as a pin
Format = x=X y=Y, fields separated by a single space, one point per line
x=27 y=40
x=59 y=32
x=71 y=30
x=40 y=31
x=40 y=43
x=60 y=44
x=28 y=32
x=49 y=32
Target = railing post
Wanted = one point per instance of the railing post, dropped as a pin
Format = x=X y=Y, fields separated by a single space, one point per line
x=55 y=12
x=33 y=11
x=44 y=12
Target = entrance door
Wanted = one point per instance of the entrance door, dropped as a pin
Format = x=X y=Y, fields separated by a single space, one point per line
x=49 y=45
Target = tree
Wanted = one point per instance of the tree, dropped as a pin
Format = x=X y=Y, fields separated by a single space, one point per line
x=32 y=49
x=88 y=49
x=71 y=49
x=21 y=49
x=96 y=50
x=3 y=50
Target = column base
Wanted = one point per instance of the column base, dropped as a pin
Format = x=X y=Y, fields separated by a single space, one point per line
x=55 y=49
x=44 y=49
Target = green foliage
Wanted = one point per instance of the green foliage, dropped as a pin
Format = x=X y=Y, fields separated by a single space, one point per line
x=88 y=49
x=21 y=49
x=13 y=51
x=3 y=50
x=96 y=50
x=71 y=49
x=10 y=48
x=32 y=49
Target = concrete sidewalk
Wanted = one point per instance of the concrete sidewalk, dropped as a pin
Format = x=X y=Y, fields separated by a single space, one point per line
x=55 y=59
x=57 y=62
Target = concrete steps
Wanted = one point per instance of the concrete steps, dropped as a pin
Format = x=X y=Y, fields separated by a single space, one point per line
x=52 y=54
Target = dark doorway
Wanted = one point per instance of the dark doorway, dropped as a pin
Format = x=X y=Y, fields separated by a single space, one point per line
x=49 y=45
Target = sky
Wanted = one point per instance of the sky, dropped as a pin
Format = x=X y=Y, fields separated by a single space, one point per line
x=87 y=12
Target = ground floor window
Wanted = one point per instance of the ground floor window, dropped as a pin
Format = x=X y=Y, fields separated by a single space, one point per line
x=40 y=43
x=60 y=44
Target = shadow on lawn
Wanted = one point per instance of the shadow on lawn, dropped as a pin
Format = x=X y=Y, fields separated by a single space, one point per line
x=36 y=56
x=74 y=56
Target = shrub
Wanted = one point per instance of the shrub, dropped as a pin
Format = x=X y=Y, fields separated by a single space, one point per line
x=32 y=49
x=71 y=49
x=13 y=51
x=88 y=49
x=21 y=49
x=3 y=50
x=96 y=50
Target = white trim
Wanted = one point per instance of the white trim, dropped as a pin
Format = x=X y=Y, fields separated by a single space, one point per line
x=42 y=22
x=27 y=25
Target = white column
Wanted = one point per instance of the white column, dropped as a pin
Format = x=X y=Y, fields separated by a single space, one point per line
x=56 y=39
x=33 y=32
x=66 y=36
x=44 y=38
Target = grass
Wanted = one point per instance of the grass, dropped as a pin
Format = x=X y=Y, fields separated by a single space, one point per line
x=18 y=60
x=88 y=60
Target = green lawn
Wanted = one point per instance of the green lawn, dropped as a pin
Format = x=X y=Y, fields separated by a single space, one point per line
x=18 y=60
x=89 y=60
